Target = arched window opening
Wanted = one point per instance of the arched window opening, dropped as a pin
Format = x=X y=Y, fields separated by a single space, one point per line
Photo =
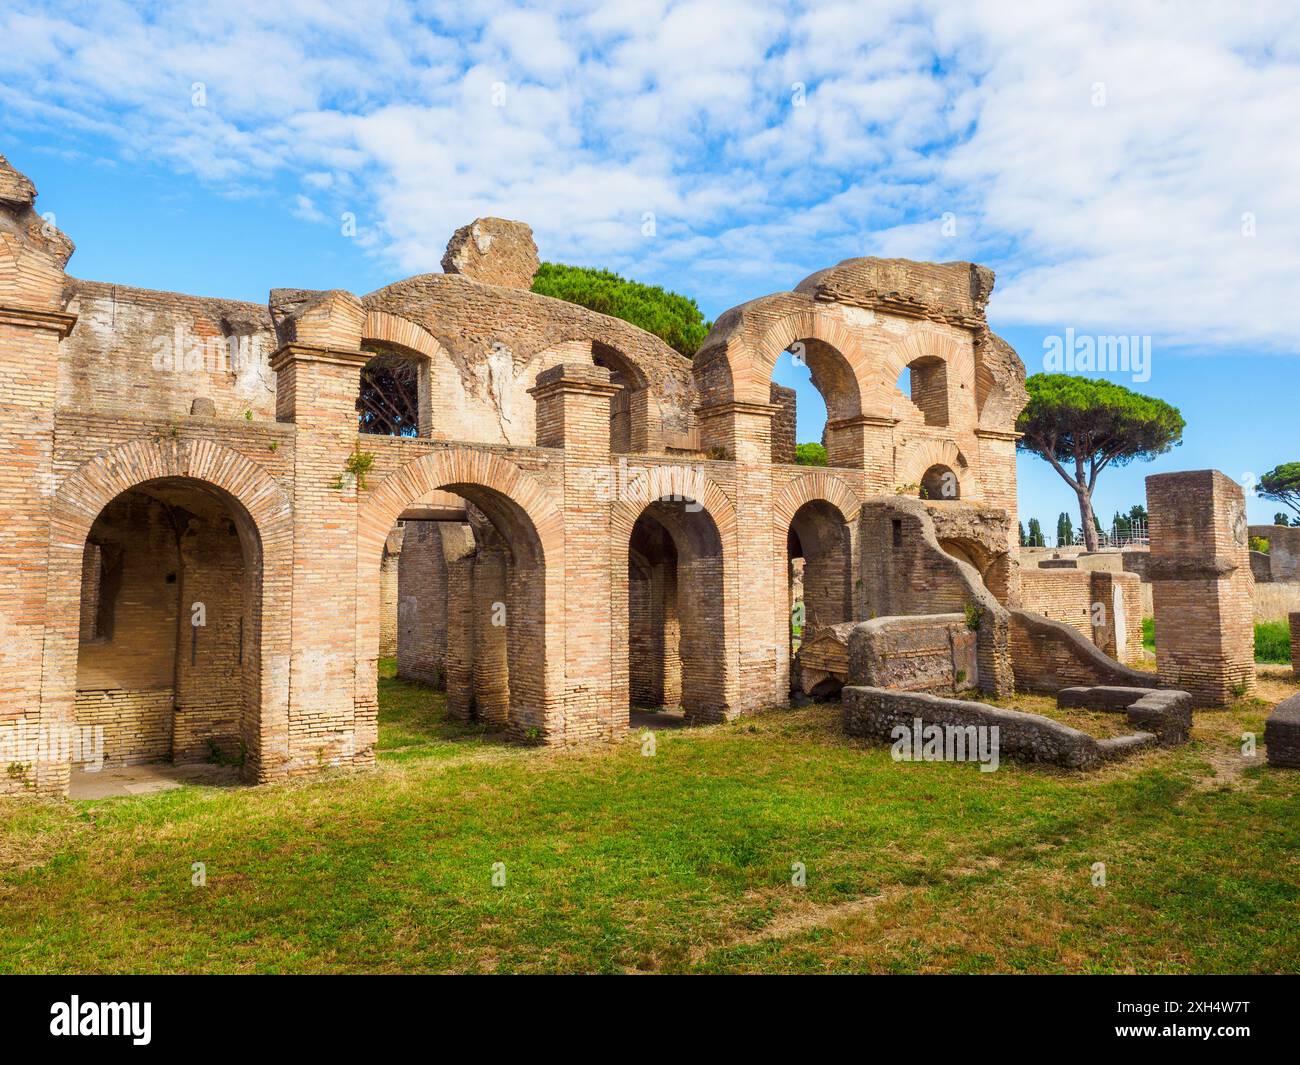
x=940 y=483
x=925 y=382
x=817 y=392
x=630 y=381
x=392 y=394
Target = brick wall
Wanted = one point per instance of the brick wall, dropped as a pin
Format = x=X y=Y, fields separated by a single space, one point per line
x=1202 y=586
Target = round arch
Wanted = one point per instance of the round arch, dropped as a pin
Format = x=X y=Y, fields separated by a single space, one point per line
x=837 y=504
x=817 y=485
x=532 y=524
x=920 y=347
x=700 y=497
x=266 y=529
x=926 y=454
x=393 y=331
x=847 y=362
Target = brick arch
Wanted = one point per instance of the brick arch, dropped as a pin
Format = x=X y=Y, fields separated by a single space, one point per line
x=525 y=512
x=258 y=499
x=453 y=469
x=384 y=328
x=923 y=454
x=668 y=481
x=652 y=485
x=818 y=485
x=881 y=393
x=752 y=365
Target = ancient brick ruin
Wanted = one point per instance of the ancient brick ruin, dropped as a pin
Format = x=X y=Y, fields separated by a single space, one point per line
x=201 y=554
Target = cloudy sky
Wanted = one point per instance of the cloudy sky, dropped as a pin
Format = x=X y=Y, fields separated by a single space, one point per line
x=1125 y=168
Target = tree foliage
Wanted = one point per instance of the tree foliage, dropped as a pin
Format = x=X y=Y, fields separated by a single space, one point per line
x=1081 y=425
x=1064 y=530
x=1282 y=485
x=673 y=318
x=388 y=403
x=810 y=455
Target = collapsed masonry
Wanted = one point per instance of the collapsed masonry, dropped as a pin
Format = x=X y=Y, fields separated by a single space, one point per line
x=202 y=556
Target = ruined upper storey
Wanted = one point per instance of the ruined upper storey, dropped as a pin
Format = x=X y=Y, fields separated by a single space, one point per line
x=858 y=325
x=912 y=376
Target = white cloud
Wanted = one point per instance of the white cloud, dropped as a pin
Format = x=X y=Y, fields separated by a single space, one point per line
x=1126 y=216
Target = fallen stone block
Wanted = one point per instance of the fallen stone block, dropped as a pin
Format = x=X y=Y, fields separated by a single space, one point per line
x=1282 y=734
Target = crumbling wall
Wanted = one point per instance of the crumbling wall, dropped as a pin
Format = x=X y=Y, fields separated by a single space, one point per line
x=1050 y=655
x=906 y=571
x=136 y=350
x=494 y=342
x=783 y=424
x=877 y=713
x=1103 y=606
x=1283 y=550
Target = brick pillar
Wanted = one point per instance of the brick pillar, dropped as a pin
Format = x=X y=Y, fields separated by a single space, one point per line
x=491 y=664
x=755 y=591
x=573 y=413
x=460 y=637
x=737 y=431
x=29 y=359
x=864 y=442
x=1201 y=585
x=670 y=636
x=316 y=389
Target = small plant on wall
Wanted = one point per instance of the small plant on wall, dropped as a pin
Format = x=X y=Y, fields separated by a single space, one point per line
x=355 y=469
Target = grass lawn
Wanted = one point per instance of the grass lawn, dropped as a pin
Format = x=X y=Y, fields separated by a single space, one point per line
x=677 y=862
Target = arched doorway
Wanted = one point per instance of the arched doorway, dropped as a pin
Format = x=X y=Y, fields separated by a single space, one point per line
x=820 y=540
x=503 y=653
x=168 y=651
x=676 y=639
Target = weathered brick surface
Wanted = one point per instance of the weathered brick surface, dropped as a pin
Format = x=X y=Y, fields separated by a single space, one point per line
x=1105 y=607
x=1202 y=586
x=626 y=534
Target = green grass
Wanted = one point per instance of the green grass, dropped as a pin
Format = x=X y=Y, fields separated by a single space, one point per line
x=677 y=862
x=1272 y=640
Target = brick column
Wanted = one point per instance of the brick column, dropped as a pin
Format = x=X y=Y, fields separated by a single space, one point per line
x=573 y=413
x=316 y=389
x=460 y=637
x=491 y=664
x=1201 y=585
x=864 y=442
x=741 y=432
x=29 y=359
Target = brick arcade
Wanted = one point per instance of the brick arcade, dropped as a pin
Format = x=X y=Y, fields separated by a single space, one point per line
x=201 y=554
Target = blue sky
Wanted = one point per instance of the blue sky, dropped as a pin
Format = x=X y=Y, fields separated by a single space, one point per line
x=1125 y=168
